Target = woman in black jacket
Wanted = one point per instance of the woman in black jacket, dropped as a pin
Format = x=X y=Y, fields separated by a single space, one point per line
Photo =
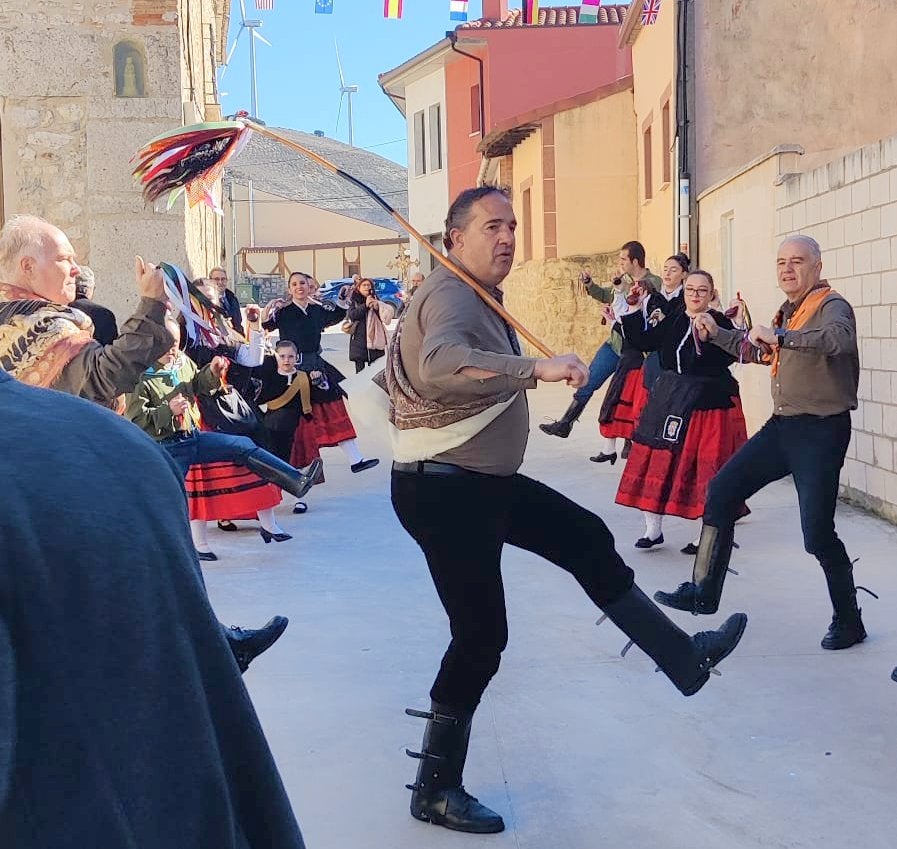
x=369 y=317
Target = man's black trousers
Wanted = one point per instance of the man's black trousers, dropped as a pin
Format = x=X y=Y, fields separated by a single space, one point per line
x=809 y=448
x=461 y=522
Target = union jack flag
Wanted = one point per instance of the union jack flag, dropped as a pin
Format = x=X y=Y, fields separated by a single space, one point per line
x=650 y=12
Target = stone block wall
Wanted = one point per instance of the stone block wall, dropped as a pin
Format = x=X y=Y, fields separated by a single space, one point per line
x=850 y=207
x=66 y=134
x=547 y=297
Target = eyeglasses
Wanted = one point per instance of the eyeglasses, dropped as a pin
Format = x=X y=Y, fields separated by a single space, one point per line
x=697 y=293
x=218 y=279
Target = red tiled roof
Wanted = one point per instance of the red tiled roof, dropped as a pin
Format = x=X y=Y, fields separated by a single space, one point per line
x=552 y=16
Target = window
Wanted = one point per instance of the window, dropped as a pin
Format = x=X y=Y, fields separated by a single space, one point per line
x=435 y=137
x=649 y=188
x=420 y=145
x=351 y=268
x=428 y=261
x=476 y=124
x=667 y=141
x=527 y=225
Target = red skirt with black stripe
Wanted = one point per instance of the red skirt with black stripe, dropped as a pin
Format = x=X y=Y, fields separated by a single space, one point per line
x=674 y=483
x=625 y=411
x=328 y=426
x=227 y=491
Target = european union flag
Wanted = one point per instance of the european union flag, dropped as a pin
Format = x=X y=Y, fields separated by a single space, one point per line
x=323 y=7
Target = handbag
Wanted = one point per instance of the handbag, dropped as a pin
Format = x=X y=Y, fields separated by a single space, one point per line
x=227 y=411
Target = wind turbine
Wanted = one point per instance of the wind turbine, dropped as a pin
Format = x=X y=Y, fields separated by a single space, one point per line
x=253 y=26
x=345 y=91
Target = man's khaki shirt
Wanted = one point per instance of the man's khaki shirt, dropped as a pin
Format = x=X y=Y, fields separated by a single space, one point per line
x=819 y=365
x=448 y=328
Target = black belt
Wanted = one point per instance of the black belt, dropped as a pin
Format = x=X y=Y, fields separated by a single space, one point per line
x=429 y=467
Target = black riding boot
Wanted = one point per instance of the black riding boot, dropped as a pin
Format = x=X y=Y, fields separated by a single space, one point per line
x=686 y=661
x=437 y=794
x=297 y=482
x=847 y=625
x=247 y=643
x=702 y=593
x=564 y=425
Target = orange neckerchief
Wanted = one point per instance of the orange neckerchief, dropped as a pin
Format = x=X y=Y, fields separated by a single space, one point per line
x=804 y=312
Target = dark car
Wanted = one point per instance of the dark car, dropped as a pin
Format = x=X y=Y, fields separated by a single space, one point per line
x=387 y=289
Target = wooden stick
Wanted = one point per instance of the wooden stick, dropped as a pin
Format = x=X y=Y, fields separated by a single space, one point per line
x=424 y=243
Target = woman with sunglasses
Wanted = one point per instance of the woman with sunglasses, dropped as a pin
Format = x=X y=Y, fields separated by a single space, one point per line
x=692 y=422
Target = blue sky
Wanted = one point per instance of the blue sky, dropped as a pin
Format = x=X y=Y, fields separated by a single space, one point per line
x=298 y=83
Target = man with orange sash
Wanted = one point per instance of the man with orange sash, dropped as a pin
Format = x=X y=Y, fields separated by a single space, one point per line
x=811 y=350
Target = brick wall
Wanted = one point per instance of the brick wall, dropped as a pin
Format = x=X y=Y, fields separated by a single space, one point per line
x=850 y=207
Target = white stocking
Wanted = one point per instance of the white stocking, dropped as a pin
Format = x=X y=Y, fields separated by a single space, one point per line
x=198 y=532
x=610 y=445
x=350 y=449
x=269 y=522
x=653 y=525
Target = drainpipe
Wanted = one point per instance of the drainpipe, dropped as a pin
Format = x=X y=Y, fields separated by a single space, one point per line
x=452 y=36
x=687 y=217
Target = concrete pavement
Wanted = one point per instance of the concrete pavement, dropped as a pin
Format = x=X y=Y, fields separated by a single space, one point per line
x=577 y=748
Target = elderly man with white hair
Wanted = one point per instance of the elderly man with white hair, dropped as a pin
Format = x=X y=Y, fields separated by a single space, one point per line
x=811 y=350
x=45 y=343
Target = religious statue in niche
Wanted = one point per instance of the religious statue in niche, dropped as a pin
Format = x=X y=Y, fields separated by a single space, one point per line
x=130 y=70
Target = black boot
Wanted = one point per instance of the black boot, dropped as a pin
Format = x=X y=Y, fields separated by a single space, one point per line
x=247 y=644
x=702 y=593
x=894 y=674
x=297 y=482
x=564 y=425
x=686 y=661
x=847 y=624
x=438 y=795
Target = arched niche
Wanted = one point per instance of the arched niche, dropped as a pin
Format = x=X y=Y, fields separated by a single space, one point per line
x=129 y=66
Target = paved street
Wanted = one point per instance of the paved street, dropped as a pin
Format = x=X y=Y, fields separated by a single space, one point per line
x=576 y=748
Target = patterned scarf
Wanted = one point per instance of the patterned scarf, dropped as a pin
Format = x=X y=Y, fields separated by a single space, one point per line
x=409 y=410
x=38 y=339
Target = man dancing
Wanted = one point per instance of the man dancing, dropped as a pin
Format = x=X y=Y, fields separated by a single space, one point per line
x=815 y=367
x=457 y=385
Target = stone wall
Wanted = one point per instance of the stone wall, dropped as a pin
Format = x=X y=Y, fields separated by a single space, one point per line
x=850 y=207
x=68 y=131
x=548 y=299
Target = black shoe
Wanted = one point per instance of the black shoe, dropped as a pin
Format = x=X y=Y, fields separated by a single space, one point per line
x=847 y=623
x=691 y=549
x=605 y=458
x=207 y=555
x=627 y=447
x=644 y=542
x=564 y=425
x=297 y=482
x=686 y=661
x=300 y=507
x=894 y=674
x=362 y=465
x=226 y=525
x=702 y=593
x=247 y=644
x=844 y=633
x=267 y=536
x=438 y=795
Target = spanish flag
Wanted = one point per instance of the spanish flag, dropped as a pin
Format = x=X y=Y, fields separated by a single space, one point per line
x=392 y=8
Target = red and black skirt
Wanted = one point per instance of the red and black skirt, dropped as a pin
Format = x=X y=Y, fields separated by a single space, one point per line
x=227 y=491
x=328 y=426
x=624 y=397
x=669 y=475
